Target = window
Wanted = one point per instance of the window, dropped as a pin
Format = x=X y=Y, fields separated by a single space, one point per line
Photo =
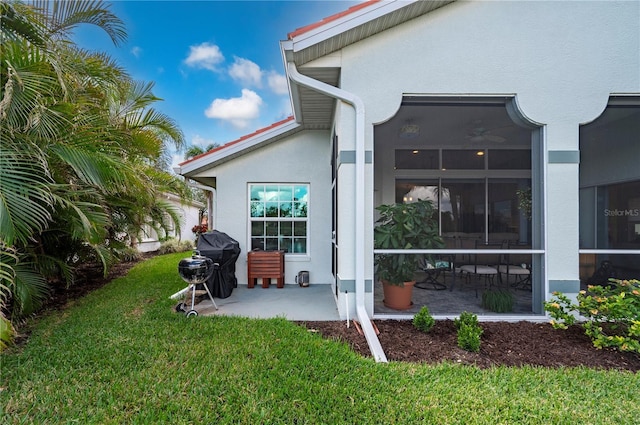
x=279 y=217
x=610 y=190
x=468 y=206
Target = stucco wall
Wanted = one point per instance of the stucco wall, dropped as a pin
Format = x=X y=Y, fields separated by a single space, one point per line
x=189 y=214
x=561 y=60
x=302 y=158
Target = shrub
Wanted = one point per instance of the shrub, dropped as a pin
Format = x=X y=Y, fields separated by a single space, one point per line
x=469 y=331
x=498 y=301
x=423 y=320
x=173 y=245
x=128 y=254
x=611 y=313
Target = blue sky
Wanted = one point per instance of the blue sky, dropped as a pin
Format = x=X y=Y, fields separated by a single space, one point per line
x=216 y=64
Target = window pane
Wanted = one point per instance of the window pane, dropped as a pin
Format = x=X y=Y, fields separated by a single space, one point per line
x=300 y=209
x=257 y=228
x=509 y=159
x=286 y=193
x=300 y=228
x=417 y=159
x=299 y=245
x=509 y=216
x=286 y=209
x=271 y=244
x=618 y=216
x=463 y=159
x=286 y=244
x=271 y=193
x=257 y=192
x=271 y=228
x=286 y=228
x=257 y=209
x=271 y=209
x=462 y=206
x=411 y=191
x=301 y=193
x=257 y=243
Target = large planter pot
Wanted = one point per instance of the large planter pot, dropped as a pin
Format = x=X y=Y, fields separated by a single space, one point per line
x=398 y=297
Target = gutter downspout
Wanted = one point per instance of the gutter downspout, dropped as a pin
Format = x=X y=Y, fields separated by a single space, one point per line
x=211 y=202
x=358 y=105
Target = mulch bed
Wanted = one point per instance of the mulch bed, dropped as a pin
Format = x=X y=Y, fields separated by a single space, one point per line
x=502 y=343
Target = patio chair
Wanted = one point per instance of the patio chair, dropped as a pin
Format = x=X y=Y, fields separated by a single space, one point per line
x=434 y=267
x=483 y=265
x=516 y=266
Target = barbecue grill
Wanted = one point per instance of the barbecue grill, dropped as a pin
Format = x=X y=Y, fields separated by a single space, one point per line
x=196 y=270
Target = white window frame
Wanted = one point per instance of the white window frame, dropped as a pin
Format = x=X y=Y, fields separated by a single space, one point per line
x=306 y=219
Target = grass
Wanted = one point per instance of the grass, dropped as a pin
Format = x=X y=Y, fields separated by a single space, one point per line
x=122 y=356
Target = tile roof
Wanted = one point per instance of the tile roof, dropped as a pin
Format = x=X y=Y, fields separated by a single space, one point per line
x=331 y=18
x=245 y=137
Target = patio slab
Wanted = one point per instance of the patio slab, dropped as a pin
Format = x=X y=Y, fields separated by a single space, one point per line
x=293 y=302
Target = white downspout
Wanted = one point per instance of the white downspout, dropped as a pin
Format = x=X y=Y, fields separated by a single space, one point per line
x=358 y=105
x=211 y=203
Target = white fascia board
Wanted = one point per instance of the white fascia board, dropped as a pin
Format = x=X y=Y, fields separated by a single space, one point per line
x=347 y=22
x=238 y=147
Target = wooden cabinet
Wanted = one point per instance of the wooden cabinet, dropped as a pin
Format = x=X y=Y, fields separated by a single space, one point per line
x=265 y=265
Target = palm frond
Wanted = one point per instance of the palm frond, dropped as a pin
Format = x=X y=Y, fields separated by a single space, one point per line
x=26 y=201
x=30 y=289
x=8 y=259
x=64 y=16
x=18 y=23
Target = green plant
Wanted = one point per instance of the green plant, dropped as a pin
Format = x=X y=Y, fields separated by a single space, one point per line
x=139 y=368
x=423 y=320
x=128 y=254
x=173 y=245
x=611 y=313
x=404 y=226
x=524 y=201
x=499 y=301
x=469 y=331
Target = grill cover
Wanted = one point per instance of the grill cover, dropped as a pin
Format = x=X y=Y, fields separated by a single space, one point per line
x=224 y=251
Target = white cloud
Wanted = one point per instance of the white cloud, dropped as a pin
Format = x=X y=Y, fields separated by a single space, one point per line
x=175 y=160
x=277 y=83
x=203 y=142
x=204 y=55
x=136 y=51
x=238 y=110
x=246 y=72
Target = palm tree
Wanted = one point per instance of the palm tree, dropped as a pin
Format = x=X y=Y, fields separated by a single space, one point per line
x=83 y=152
x=195 y=150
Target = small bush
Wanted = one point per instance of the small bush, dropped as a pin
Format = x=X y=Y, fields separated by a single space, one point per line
x=423 y=320
x=173 y=245
x=611 y=312
x=128 y=254
x=497 y=301
x=469 y=331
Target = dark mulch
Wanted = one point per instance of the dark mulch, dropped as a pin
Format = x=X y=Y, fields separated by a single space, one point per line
x=502 y=343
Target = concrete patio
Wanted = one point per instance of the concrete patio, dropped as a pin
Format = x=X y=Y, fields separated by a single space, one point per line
x=293 y=302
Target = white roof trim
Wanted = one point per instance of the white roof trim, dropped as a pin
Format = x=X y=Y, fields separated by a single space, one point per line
x=347 y=22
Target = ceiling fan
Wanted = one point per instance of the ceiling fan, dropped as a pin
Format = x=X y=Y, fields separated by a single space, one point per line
x=480 y=134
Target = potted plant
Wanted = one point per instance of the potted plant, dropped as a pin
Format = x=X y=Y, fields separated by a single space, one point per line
x=403 y=226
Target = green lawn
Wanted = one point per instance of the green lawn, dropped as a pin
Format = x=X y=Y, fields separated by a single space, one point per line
x=122 y=356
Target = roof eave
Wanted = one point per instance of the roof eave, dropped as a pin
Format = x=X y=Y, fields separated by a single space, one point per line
x=362 y=21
